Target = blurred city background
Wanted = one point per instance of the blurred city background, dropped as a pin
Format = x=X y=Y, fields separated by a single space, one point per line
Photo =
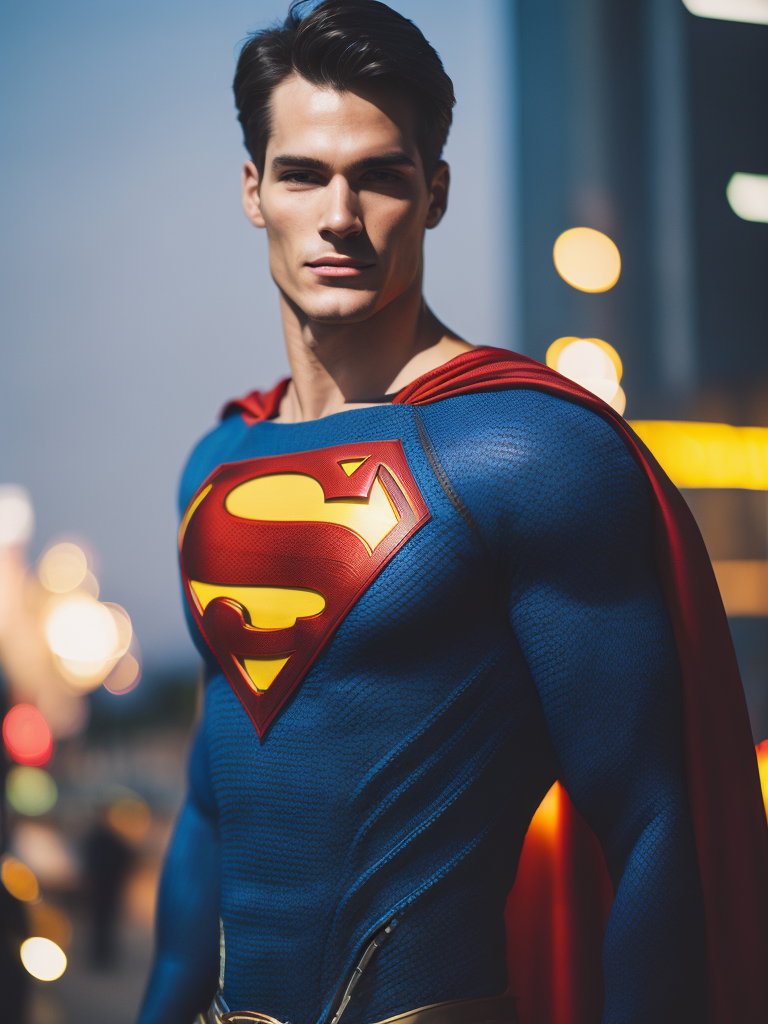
x=609 y=214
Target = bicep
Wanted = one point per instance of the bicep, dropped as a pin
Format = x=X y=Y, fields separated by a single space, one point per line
x=590 y=618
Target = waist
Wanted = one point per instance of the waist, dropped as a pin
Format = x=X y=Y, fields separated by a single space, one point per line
x=491 y=1010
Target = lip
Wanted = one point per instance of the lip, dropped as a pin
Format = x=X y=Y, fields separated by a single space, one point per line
x=338 y=266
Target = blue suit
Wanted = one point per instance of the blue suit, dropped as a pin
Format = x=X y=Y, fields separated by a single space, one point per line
x=517 y=637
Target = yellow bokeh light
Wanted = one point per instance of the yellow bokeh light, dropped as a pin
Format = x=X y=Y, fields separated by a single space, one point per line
x=587 y=259
x=19 y=880
x=62 y=568
x=743 y=586
x=547 y=816
x=592 y=363
x=708 y=454
x=30 y=791
x=762 y=764
x=130 y=817
x=43 y=959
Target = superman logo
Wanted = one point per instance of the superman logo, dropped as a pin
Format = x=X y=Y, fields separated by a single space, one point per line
x=276 y=550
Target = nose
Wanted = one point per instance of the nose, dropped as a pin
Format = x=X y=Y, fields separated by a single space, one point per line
x=341 y=214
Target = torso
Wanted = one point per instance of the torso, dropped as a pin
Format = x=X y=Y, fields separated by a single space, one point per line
x=398 y=778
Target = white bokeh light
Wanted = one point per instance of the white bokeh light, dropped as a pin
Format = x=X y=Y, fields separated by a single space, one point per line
x=43 y=959
x=753 y=11
x=748 y=196
x=17 y=519
x=592 y=363
x=80 y=629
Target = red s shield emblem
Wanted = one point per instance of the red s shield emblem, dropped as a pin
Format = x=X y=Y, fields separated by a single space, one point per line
x=275 y=551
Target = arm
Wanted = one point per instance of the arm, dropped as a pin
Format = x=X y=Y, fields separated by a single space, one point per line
x=590 y=618
x=562 y=506
x=184 y=977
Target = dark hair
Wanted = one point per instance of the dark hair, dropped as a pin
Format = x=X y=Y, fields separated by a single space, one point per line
x=340 y=43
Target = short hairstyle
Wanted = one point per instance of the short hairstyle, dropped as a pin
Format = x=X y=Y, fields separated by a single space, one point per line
x=341 y=43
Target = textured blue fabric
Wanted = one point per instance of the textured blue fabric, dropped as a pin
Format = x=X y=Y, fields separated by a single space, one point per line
x=518 y=636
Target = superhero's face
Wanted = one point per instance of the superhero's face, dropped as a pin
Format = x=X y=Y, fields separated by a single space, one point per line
x=275 y=551
x=343 y=178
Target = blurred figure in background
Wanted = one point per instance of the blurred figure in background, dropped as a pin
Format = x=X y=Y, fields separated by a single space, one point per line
x=108 y=860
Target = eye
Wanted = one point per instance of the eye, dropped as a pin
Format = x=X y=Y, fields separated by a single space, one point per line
x=300 y=177
x=381 y=176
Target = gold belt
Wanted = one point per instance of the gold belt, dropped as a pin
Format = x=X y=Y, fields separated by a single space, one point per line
x=494 y=1010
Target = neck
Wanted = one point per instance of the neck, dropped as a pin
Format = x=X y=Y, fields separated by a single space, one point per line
x=336 y=366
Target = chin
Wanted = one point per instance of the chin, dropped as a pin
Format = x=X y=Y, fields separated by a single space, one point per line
x=341 y=309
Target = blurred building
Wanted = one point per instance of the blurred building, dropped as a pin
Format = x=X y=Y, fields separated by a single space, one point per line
x=633 y=119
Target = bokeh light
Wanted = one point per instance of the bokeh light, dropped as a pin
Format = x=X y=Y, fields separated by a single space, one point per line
x=43 y=959
x=19 y=880
x=62 y=568
x=754 y=11
x=130 y=817
x=743 y=586
x=90 y=585
x=47 y=852
x=27 y=736
x=762 y=764
x=17 y=520
x=125 y=676
x=123 y=627
x=79 y=629
x=88 y=638
x=592 y=363
x=587 y=259
x=547 y=816
x=748 y=196
x=30 y=791
x=708 y=454
x=91 y=641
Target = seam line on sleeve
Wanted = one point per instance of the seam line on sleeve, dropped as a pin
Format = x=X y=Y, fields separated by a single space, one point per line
x=443 y=479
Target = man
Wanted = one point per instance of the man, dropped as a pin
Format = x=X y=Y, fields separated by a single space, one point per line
x=423 y=593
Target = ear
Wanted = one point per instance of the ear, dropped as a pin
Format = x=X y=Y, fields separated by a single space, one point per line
x=251 y=198
x=438 y=194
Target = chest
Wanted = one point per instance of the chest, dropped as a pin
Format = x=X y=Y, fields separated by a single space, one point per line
x=282 y=552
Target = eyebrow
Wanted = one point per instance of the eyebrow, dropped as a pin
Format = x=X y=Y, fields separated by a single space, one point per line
x=308 y=163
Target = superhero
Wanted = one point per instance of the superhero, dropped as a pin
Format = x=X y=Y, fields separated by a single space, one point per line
x=428 y=580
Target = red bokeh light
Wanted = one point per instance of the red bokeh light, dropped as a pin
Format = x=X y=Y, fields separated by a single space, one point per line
x=27 y=736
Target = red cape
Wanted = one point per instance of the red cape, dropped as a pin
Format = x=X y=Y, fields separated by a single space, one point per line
x=723 y=783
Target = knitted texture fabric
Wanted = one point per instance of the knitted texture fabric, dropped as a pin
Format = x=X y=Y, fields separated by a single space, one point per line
x=519 y=636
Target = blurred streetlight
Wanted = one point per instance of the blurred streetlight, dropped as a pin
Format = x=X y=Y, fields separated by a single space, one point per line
x=31 y=791
x=587 y=259
x=26 y=735
x=592 y=363
x=748 y=196
x=754 y=11
x=44 y=959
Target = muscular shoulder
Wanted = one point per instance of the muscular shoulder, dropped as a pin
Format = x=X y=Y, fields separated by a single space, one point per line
x=213 y=449
x=530 y=465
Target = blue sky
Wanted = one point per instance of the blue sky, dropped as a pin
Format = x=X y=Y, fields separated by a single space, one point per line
x=135 y=297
